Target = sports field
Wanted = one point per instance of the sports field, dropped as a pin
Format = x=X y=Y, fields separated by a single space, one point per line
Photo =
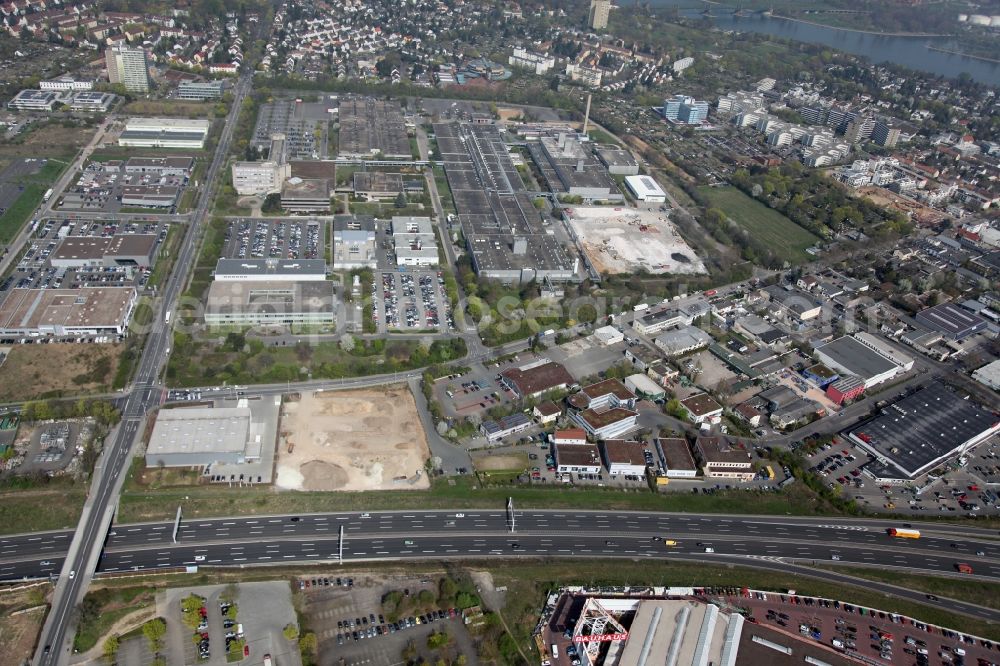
x=787 y=239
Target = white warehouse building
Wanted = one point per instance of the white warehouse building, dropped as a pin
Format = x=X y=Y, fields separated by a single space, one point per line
x=645 y=189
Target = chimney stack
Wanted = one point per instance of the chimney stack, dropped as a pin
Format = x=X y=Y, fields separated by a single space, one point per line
x=586 y=115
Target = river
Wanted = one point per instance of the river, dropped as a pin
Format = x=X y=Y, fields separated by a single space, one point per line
x=910 y=52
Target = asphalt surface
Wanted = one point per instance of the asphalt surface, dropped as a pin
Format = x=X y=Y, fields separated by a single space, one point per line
x=144 y=396
x=789 y=544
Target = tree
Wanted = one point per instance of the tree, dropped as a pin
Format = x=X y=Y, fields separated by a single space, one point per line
x=291 y=631
x=401 y=200
x=154 y=631
x=438 y=640
x=307 y=643
x=111 y=646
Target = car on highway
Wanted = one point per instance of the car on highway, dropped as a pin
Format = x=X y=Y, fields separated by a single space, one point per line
x=407 y=543
x=72 y=574
x=199 y=558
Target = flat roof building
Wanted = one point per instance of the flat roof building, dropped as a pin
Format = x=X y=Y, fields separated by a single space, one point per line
x=607 y=423
x=91 y=101
x=306 y=195
x=260 y=178
x=989 y=375
x=917 y=433
x=370 y=127
x=66 y=312
x=354 y=244
x=675 y=458
x=645 y=189
x=850 y=356
x=199 y=436
x=161 y=166
x=645 y=387
x=606 y=393
x=951 y=320
x=150 y=196
x=683 y=341
x=578 y=458
x=415 y=241
x=570 y=168
x=506 y=426
x=36 y=100
x=623 y=457
x=618 y=162
x=121 y=250
x=200 y=90
x=722 y=459
x=262 y=303
x=164 y=133
x=534 y=379
x=377 y=184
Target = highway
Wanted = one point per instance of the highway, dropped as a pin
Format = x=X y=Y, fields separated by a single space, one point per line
x=84 y=551
x=789 y=544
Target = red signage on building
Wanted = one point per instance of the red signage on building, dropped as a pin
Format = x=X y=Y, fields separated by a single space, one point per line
x=601 y=638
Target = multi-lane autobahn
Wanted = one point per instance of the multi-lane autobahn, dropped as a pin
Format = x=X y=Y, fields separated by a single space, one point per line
x=781 y=543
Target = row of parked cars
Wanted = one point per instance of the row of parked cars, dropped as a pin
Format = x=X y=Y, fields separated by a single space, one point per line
x=369 y=627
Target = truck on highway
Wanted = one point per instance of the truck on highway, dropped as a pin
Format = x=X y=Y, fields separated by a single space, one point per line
x=267 y=660
x=166 y=317
x=904 y=533
x=963 y=567
x=47 y=195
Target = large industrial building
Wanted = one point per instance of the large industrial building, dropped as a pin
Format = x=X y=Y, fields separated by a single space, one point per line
x=570 y=168
x=874 y=364
x=952 y=321
x=164 y=133
x=122 y=250
x=354 y=244
x=129 y=67
x=371 y=127
x=268 y=303
x=503 y=231
x=199 y=436
x=67 y=312
x=923 y=430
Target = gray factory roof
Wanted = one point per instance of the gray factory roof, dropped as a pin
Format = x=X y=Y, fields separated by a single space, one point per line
x=856 y=357
x=200 y=430
x=923 y=429
x=951 y=320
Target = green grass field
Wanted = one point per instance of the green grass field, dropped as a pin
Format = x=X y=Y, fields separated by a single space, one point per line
x=139 y=503
x=787 y=239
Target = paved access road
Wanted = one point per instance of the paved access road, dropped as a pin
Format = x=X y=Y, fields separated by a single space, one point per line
x=789 y=544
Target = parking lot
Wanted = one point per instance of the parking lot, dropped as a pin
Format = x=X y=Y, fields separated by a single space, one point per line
x=251 y=238
x=874 y=636
x=107 y=187
x=411 y=300
x=34 y=271
x=351 y=625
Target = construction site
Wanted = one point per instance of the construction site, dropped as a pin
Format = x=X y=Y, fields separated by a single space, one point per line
x=624 y=240
x=352 y=440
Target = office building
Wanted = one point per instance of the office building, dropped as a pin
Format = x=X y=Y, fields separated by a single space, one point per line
x=414 y=241
x=200 y=90
x=91 y=100
x=270 y=270
x=722 y=459
x=36 y=100
x=67 y=83
x=129 y=67
x=685 y=110
x=262 y=303
x=306 y=195
x=600 y=10
x=354 y=242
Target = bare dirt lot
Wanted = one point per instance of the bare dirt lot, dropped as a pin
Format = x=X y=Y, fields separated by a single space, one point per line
x=369 y=439
x=33 y=371
x=502 y=463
